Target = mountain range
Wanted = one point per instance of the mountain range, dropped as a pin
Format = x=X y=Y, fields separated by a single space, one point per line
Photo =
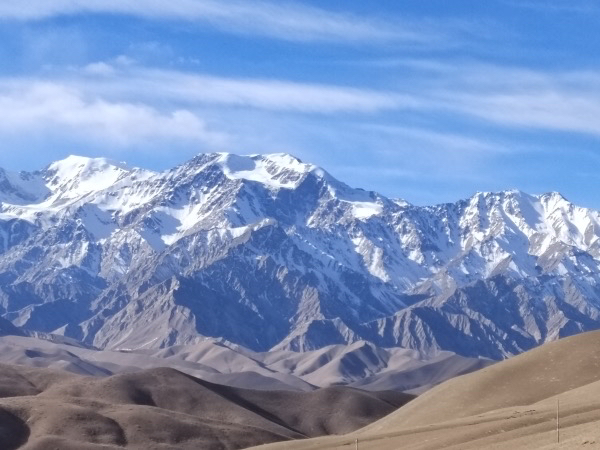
x=270 y=253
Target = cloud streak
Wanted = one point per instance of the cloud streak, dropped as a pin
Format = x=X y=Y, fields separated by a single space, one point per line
x=283 y=20
x=555 y=110
x=436 y=139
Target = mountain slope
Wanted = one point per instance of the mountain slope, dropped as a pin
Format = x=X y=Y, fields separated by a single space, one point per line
x=271 y=253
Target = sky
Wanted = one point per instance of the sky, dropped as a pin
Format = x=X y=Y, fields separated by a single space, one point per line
x=429 y=101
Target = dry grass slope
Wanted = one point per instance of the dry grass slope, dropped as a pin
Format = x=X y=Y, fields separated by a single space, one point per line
x=510 y=405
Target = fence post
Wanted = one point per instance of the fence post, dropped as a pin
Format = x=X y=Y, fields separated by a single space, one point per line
x=558 y=421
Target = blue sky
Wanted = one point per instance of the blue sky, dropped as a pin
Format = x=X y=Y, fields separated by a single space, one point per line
x=429 y=101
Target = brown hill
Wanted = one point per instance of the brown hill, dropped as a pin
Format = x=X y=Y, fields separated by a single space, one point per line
x=510 y=405
x=167 y=409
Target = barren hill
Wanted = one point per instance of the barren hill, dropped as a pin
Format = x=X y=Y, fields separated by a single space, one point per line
x=167 y=409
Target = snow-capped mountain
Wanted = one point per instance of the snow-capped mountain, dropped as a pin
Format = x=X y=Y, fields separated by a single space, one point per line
x=269 y=252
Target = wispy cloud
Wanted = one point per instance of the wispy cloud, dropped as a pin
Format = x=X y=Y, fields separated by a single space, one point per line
x=445 y=141
x=284 y=20
x=566 y=101
x=255 y=93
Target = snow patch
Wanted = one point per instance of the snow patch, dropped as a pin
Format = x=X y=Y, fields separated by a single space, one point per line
x=274 y=170
x=364 y=210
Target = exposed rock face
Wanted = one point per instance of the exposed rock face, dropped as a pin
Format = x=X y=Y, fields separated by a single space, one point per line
x=268 y=252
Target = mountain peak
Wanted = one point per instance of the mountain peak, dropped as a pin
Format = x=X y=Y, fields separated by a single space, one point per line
x=77 y=175
x=511 y=193
x=276 y=170
x=77 y=163
x=553 y=196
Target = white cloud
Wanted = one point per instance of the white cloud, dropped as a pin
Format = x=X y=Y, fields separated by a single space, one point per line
x=28 y=106
x=121 y=104
x=285 y=20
